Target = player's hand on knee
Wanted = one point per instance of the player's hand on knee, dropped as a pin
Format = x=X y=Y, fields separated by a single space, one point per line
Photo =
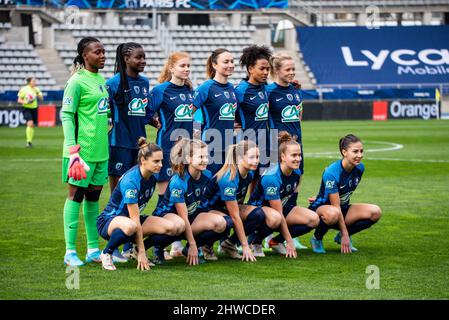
x=77 y=167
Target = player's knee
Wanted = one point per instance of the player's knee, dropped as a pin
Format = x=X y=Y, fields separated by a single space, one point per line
x=92 y=195
x=332 y=215
x=273 y=221
x=314 y=221
x=129 y=228
x=78 y=195
x=376 y=213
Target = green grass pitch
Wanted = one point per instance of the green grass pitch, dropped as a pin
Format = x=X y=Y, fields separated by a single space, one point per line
x=407 y=174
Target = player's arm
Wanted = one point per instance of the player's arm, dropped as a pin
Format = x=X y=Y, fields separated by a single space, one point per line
x=334 y=199
x=142 y=260
x=39 y=95
x=234 y=212
x=21 y=97
x=283 y=228
x=192 y=255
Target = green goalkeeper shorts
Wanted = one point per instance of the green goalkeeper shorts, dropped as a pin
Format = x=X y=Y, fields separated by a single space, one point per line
x=96 y=176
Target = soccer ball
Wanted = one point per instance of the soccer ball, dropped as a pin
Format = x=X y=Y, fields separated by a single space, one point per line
x=29 y=98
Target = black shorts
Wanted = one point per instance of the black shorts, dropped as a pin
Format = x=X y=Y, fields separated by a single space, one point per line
x=30 y=114
x=121 y=160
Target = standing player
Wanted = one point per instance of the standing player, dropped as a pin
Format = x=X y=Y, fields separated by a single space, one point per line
x=128 y=95
x=184 y=194
x=217 y=101
x=173 y=101
x=85 y=152
x=276 y=188
x=252 y=98
x=332 y=203
x=27 y=97
x=285 y=111
x=122 y=220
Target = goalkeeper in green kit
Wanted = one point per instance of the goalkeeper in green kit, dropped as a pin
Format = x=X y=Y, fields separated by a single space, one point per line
x=85 y=153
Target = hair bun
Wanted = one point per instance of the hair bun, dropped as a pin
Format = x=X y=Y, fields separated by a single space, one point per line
x=284 y=136
x=141 y=142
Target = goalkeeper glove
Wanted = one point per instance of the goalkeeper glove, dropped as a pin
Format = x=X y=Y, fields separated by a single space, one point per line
x=77 y=167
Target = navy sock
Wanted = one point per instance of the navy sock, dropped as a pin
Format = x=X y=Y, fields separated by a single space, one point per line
x=118 y=237
x=251 y=224
x=127 y=246
x=207 y=237
x=261 y=234
x=160 y=240
x=321 y=230
x=295 y=231
x=359 y=226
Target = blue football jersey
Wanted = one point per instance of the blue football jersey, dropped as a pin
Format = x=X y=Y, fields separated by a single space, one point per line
x=175 y=107
x=219 y=191
x=128 y=117
x=285 y=109
x=218 y=104
x=253 y=108
x=274 y=185
x=131 y=188
x=335 y=179
x=183 y=190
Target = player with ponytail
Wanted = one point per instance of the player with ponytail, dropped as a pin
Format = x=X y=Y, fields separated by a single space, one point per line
x=122 y=220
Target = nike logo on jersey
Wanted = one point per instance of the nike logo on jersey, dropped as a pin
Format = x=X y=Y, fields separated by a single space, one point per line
x=342 y=187
x=217 y=95
x=189 y=194
x=279 y=99
x=173 y=98
x=252 y=98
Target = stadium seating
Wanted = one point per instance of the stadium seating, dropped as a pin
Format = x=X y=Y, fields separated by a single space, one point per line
x=200 y=41
x=19 y=61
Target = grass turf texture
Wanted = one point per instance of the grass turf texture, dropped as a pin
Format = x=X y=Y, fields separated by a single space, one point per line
x=409 y=244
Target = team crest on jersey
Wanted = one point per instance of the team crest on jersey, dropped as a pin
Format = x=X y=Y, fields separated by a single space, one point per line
x=289 y=187
x=131 y=194
x=243 y=190
x=183 y=97
x=102 y=106
x=197 y=192
x=289 y=97
x=119 y=166
x=226 y=94
x=137 y=89
x=229 y=191
x=137 y=107
x=184 y=112
x=261 y=95
x=262 y=112
x=290 y=114
x=227 y=111
x=271 y=191
x=169 y=172
x=356 y=182
x=147 y=193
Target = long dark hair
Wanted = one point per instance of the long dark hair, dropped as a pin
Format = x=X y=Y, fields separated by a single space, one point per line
x=123 y=50
x=213 y=58
x=345 y=141
x=78 y=62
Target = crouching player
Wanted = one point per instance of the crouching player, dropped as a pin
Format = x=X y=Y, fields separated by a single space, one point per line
x=275 y=189
x=121 y=221
x=339 y=181
x=189 y=160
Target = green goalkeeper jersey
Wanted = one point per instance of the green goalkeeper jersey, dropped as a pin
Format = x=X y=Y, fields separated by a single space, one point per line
x=85 y=115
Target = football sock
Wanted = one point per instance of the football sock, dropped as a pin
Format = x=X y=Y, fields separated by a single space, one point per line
x=30 y=134
x=90 y=211
x=117 y=238
x=295 y=231
x=71 y=214
x=321 y=230
x=251 y=224
x=359 y=226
